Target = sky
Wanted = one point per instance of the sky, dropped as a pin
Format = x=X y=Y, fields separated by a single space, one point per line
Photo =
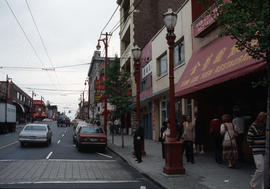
x=70 y=30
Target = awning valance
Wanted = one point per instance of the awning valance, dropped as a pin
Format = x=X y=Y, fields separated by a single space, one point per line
x=218 y=62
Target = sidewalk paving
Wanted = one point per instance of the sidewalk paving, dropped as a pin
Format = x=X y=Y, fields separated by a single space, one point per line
x=204 y=174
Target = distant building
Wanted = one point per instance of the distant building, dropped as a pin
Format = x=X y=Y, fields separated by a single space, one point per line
x=52 y=111
x=11 y=93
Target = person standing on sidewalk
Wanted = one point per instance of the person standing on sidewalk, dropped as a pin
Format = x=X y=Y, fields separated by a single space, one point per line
x=256 y=140
x=229 y=142
x=188 y=137
x=215 y=137
x=138 y=140
x=199 y=134
x=239 y=124
x=162 y=138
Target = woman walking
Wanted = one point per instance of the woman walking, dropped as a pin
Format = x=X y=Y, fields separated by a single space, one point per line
x=188 y=137
x=256 y=140
x=229 y=142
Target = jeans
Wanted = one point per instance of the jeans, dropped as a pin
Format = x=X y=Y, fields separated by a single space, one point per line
x=188 y=147
x=258 y=177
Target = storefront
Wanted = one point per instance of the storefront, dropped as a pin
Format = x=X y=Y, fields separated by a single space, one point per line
x=221 y=80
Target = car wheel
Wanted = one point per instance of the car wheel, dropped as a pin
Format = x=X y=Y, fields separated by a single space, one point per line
x=22 y=144
x=50 y=141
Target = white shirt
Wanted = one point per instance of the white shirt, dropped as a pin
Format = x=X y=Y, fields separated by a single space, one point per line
x=239 y=124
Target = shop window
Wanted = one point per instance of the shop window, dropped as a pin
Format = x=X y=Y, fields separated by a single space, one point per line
x=179 y=53
x=162 y=65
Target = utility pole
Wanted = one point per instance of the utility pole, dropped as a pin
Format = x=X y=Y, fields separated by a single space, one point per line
x=105 y=42
x=88 y=115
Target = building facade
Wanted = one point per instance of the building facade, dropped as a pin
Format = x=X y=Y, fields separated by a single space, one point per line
x=13 y=94
x=220 y=78
x=139 y=22
x=160 y=72
x=95 y=78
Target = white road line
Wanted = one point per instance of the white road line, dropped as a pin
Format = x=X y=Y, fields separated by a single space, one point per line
x=49 y=155
x=75 y=182
x=104 y=155
x=63 y=135
x=58 y=141
x=143 y=187
x=81 y=160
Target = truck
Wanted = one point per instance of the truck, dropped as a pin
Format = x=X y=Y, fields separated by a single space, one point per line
x=7 y=118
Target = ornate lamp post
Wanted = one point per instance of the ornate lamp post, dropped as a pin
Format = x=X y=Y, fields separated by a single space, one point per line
x=136 y=52
x=105 y=41
x=173 y=148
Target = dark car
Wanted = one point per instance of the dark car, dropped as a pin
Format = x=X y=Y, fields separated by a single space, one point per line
x=91 y=136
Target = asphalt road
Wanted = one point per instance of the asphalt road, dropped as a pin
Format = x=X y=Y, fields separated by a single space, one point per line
x=61 y=165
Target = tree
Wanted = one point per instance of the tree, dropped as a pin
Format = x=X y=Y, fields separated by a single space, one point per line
x=248 y=22
x=118 y=88
x=118 y=91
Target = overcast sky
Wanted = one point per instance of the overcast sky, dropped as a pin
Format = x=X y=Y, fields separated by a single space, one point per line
x=70 y=30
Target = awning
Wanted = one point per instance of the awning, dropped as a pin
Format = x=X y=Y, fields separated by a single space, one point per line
x=218 y=62
x=21 y=106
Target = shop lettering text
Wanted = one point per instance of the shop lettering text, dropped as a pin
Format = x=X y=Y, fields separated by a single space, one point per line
x=214 y=65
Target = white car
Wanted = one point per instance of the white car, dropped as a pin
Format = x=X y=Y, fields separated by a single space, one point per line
x=35 y=133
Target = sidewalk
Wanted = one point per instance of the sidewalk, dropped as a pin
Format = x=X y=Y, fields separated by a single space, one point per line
x=204 y=174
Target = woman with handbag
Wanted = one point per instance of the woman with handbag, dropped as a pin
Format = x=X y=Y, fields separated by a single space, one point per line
x=161 y=138
x=229 y=142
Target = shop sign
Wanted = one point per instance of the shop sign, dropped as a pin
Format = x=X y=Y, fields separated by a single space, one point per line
x=98 y=84
x=98 y=96
x=147 y=69
x=205 y=22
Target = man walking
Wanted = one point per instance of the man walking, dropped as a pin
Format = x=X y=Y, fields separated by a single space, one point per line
x=138 y=139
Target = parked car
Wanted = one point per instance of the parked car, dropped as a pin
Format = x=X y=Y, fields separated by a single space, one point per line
x=35 y=133
x=91 y=136
x=76 y=130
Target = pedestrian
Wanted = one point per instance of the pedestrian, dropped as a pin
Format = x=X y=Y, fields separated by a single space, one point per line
x=162 y=138
x=229 y=141
x=215 y=137
x=239 y=124
x=199 y=134
x=138 y=140
x=256 y=139
x=188 y=137
x=111 y=127
x=116 y=125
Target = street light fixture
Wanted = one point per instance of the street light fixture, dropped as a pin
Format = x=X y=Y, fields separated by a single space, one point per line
x=136 y=52
x=173 y=148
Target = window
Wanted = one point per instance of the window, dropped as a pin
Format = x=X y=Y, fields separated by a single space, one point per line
x=162 y=65
x=144 y=84
x=18 y=95
x=179 y=53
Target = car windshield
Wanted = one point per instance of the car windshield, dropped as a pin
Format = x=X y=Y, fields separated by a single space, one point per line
x=35 y=128
x=89 y=130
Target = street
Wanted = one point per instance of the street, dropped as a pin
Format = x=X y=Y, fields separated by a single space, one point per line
x=61 y=165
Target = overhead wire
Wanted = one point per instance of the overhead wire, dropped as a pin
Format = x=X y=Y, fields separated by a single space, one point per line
x=41 y=39
x=121 y=21
x=26 y=36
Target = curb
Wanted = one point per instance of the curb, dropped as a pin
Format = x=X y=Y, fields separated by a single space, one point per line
x=161 y=185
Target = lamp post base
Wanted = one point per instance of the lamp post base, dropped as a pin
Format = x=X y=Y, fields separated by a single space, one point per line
x=173 y=158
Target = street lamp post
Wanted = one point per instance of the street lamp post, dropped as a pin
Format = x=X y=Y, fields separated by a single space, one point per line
x=105 y=41
x=136 y=52
x=173 y=148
